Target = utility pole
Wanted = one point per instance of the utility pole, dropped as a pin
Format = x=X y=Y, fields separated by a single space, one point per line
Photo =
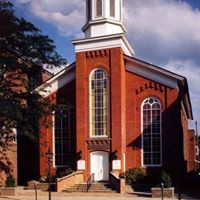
x=197 y=146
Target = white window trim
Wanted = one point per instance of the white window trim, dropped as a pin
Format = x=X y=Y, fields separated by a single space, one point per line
x=90 y=109
x=142 y=139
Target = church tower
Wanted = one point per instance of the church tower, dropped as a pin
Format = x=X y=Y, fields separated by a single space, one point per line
x=104 y=27
x=100 y=90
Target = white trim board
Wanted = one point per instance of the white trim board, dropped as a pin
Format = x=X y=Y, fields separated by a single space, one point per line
x=104 y=42
x=56 y=82
x=154 y=74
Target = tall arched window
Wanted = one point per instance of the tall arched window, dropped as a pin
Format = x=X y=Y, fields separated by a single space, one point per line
x=98 y=103
x=112 y=8
x=151 y=132
x=62 y=134
x=99 y=8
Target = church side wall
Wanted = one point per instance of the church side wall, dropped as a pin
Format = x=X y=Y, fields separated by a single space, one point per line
x=64 y=95
x=137 y=90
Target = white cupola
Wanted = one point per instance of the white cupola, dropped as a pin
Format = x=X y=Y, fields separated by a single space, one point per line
x=104 y=17
x=104 y=28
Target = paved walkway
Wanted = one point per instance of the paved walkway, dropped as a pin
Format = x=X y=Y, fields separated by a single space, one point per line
x=22 y=194
x=30 y=195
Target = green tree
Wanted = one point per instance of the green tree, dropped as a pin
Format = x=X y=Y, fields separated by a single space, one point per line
x=23 y=51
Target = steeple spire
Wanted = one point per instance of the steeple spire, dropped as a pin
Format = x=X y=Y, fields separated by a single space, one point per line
x=104 y=17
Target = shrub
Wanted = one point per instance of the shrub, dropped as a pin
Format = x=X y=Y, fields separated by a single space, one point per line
x=10 y=181
x=134 y=175
x=165 y=179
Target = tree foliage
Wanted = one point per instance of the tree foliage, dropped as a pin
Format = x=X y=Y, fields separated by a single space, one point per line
x=23 y=50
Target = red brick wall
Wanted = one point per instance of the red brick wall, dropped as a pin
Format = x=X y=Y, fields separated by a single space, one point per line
x=112 y=61
x=137 y=90
x=85 y=63
x=189 y=143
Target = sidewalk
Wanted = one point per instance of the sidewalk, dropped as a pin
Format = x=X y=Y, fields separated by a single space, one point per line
x=30 y=195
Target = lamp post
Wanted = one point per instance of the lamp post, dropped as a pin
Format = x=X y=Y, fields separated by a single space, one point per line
x=49 y=155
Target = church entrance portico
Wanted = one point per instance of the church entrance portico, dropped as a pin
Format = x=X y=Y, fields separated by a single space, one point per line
x=99 y=165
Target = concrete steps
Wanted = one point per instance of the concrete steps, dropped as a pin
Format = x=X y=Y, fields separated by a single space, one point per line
x=101 y=187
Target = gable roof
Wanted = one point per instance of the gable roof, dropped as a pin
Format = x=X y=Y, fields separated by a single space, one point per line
x=162 y=76
x=57 y=81
x=133 y=65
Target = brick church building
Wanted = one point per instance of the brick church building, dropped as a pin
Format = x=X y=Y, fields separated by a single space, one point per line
x=114 y=111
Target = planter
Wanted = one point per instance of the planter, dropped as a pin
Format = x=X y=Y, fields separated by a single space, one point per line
x=43 y=186
x=167 y=192
x=8 y=191
x=129 y=189
x=40 y=186
x=31 y=185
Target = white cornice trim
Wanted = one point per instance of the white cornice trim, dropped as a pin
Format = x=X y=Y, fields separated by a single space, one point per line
x=56 y=82
x=155 y=68
x=104 y=42
x=102 y=21
x=155 y=74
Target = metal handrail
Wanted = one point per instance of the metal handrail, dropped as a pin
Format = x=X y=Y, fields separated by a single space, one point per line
x=90 y=181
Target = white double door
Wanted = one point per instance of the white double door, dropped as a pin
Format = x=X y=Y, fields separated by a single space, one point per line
x=99 y=166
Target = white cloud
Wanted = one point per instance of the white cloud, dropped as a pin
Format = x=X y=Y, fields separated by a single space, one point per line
x=68 y=16
x=23 y=1
x=163 y=32
x=163 y=29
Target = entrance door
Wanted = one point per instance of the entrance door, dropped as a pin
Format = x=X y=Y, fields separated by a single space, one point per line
x=99 y=166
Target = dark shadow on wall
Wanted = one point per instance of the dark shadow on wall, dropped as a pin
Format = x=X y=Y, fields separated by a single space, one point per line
x=172 y=144
x=28 y=159
x=29 y=149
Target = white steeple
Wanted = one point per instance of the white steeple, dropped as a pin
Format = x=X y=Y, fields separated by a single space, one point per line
x=104 y=17
x=104 y=27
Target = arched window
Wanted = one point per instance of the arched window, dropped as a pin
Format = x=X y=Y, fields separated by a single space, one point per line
x=62 y=136
x=98 y=103
x=112 y=8
x=151 y=132
x=99 y=8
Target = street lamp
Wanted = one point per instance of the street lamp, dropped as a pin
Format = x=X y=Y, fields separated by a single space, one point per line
x=49 y=155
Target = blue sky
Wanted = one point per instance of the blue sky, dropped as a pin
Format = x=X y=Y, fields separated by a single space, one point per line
x=162 y=32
